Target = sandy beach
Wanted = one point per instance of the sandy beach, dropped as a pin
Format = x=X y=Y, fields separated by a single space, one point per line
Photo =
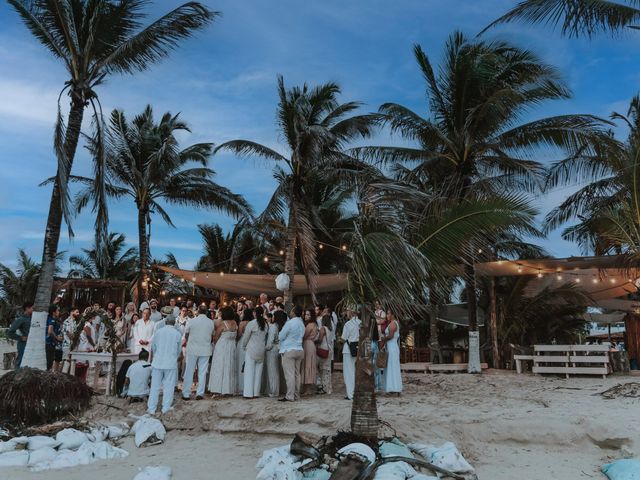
x=507 y=426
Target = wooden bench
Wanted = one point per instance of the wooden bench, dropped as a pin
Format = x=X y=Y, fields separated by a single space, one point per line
x=519 y=359
x=452 y=367
x=571 y=359
x=419 y=367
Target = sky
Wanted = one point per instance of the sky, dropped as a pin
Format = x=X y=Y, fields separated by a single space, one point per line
x=223 y=83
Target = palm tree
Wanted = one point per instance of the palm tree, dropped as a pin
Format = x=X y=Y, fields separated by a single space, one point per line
x=145 y=163
x=316 y=129
x=386 y=267
x=231 y=252
x=474 y=143
x=611 y=181
x=17 y=285
x=117 y=264
x=93 y=39
x=576 y=17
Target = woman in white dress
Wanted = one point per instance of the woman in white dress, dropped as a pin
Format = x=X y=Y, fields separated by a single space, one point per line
x=254 y=341
x=245 y=317
x=223 y=379
x=272 y=360
x=392 y=378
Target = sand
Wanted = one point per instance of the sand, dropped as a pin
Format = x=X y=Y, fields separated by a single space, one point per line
x=508 y=426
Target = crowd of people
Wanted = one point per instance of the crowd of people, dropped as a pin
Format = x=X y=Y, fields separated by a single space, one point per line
x=247 y=348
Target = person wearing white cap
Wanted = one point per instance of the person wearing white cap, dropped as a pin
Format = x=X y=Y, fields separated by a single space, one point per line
x=166 y=347
x=198 y=335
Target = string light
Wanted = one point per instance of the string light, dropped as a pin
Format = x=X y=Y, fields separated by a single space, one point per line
x=281 y=252
x=612 y=280
x=249 y=265
x=479 y=250
x=207 y=275
x=559 y=277
x=193 y=279
x=321 y=246
x=144 y=284
x=179 y=298
x=163 y=293
x=595 y=280
x=577 y=280
x=222 y=274
x=344 y=248
x=519 y=268
x=539 y=274
x=265 y=259
x=235 y=270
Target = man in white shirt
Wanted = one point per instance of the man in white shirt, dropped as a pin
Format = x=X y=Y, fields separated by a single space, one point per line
x=264 y=301
x=199 y=338
x=156 y=316
x=143 y=332
x=350 y=334
x=174 y=307
x=138 y=377
x=166 y=347
x=290 y=338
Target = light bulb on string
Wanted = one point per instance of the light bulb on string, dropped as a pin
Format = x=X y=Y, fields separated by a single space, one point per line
x=281 y=252
x=235 y=270
x=539 y=274
x=344 y=248
x=577 y=280
x=519 y=268
x=249 y=265
x=321 y=246
x=559 y=277
x=265 y=259
x=222 y=274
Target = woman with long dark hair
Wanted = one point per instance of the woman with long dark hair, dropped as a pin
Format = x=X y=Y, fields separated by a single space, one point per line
x=254 y=342
x=392 y=377
x=326 y=338
x=223 y=378
x=309 y=369
x=246 y=315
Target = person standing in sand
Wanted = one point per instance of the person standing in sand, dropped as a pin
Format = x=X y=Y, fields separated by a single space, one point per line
x=165 y=347
x=292 y=353
x=198 y=336
x=350 y=337
x=223 y=378
x=310 y=367
x=254 y=342
x=392 y=378
x=272 y=358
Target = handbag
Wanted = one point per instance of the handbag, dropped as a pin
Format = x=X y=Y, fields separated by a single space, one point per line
x=322 y=352
x=382 y=358
x=353 y=348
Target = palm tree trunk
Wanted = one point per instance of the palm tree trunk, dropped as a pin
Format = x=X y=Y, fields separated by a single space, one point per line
x=474 y=334
x=364 y=410
x=34 y=353
x=434 y=341
x=290 y=261
x=493 y=324
x=143 y=248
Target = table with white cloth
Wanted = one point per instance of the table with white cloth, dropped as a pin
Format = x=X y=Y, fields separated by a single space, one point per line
x=105 y=358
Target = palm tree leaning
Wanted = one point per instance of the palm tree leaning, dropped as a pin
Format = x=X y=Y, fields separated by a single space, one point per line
x=93 y=39
x=118 y=264
x=316 y=129
x=474 y=142
x=145 y=163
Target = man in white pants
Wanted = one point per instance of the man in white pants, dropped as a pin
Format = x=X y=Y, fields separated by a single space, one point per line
x=165 y=346
x=350 y=334
x=199 y=338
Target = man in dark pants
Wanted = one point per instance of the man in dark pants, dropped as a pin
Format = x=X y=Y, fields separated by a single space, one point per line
x=19 y=330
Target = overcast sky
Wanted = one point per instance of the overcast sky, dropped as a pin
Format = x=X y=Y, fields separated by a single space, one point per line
x=223 y=82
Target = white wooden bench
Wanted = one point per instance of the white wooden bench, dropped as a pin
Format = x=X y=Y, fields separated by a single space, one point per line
x=519 y=359
x=571 y=359
x=452 y=367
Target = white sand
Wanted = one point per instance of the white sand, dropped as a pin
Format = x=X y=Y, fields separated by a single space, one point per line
x=507 y=426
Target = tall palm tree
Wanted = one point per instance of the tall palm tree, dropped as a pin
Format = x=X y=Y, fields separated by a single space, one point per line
x=145 y=163
x=475 y=143
x=92 y=39
x=316 y=129
x=576 y=18
x=387 y=267
x=231 y=252
x=117 y=264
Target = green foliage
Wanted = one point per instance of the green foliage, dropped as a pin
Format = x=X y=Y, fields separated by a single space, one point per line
x=577 y=18
x=117 y=264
